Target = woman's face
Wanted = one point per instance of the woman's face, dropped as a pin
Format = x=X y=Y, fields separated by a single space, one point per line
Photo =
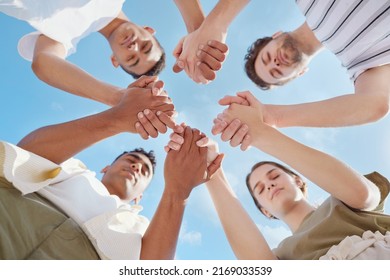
x=275 y=190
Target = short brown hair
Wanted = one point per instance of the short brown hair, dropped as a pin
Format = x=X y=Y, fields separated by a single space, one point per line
x=250 y=58
x=303 y=188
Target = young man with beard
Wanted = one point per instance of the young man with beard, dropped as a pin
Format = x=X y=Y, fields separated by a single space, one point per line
x=357 y=33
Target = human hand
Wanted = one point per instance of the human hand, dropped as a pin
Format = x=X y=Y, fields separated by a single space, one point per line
x=138 y=97
x=176 y=141
x=240 y=120
x=191 y=160
x=201 y=53
x=152 y=123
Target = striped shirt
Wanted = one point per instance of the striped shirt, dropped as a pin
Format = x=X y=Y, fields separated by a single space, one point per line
x=356 y=31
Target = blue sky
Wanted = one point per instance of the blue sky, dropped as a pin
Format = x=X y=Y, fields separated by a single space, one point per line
x=28 y=104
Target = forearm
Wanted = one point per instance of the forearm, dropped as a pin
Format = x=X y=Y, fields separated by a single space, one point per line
x=160 y=239
x=235 y=221
x=224 y=13
x=61 y=141
x=325 y=171
x=66 y=76
x=345 y=110
x=191 y=12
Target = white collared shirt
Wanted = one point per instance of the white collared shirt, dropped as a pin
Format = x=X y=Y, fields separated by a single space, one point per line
x=113 y=226
x=66 y=22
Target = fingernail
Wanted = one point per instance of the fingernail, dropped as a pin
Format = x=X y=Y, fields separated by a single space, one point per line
x=198 y=63
x=180 y=64
x=198 y=53
x=244 y=127
x=155 y=91
x=158 y=113
x=147 y=111
x=140 y=115
x=137 y=124
x=201 y=46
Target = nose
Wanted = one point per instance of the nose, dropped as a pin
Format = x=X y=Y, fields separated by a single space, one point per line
x=136 y=167
x=276 y=62
x=271 y=185
x=133 y=46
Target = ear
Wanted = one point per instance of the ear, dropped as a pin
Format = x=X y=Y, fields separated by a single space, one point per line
x=104 y=170
x=150 y=30
x=114 y=61
x=298 y=181
x=266 y=213
x=303 y=71
x=277 y=34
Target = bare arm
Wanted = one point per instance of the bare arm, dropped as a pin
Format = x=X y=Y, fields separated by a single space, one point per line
x=61 y=141
x=51 y=67
x=214 y=27
x=244 y=237
x=160 y=239
x=369 y=103
x=191 y=12
x=327 y=172
x=232 y=215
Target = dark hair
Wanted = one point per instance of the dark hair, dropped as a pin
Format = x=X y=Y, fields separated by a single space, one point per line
x=150 y=155
x=155 y=70
x=284 y=168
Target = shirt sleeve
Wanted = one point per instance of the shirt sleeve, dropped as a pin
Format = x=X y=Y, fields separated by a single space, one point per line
x=117 y=235
x=26 y=46
x=29 y=172
x=383 y=185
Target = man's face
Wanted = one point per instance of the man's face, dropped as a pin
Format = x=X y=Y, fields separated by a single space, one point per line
x=280 y=60
x=134 y=48
x=128 y=176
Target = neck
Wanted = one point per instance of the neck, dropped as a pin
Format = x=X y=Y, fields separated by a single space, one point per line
x=307 y=40
x=297 y=214
x=109 y=28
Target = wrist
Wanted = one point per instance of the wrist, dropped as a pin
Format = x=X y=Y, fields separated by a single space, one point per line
x=195 y=23
x=262 y=136
x=115 y=97
x=175 y=194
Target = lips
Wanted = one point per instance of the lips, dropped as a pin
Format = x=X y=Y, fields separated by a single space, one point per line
x=282 y=59
x=275 y=192
x=129 y=174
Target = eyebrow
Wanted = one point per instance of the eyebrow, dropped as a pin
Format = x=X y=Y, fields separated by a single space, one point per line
x=267 y=174
x=139 y=158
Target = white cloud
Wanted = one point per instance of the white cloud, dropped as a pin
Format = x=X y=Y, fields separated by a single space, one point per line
x=190 y=237
x=274 y=235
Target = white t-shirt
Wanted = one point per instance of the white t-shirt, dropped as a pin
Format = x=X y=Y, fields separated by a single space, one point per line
x=64 y=21
x=114 y=227
x=357 y=32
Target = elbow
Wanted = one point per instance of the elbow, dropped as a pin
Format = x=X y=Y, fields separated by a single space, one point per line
x=367 y=198
x=39 y=66
x=380 y=109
